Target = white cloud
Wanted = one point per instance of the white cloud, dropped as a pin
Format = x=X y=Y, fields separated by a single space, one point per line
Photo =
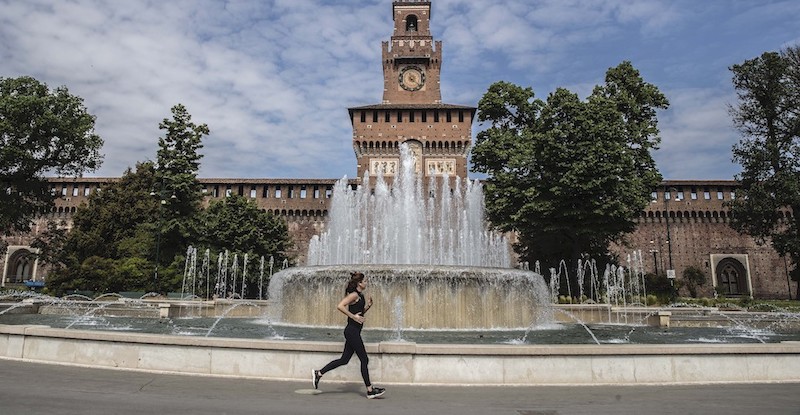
x=273 y=79
x=697 y=136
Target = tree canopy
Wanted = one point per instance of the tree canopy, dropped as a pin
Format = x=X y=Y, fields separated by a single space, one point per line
x=237 y=225
x=42 y=131
x=134 y=234
x=768 y=117
x=113 y=232
x=569 y=176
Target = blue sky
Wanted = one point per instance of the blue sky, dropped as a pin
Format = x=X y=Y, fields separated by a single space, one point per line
x=273 y=79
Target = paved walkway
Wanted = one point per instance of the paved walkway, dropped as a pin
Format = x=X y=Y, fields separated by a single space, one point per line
x=31 y=388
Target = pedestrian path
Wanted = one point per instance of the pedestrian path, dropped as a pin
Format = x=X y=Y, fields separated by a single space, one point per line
x=40 y=389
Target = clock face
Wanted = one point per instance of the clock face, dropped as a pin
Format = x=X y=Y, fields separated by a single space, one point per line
x=412 y=78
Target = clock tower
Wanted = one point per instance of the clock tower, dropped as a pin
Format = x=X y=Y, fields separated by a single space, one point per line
x=411 y=60
x=439 y=135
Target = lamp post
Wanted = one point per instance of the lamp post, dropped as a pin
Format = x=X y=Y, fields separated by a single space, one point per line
x=162 y=201
x=669 y=236
x=654 y=251
x=671 y=270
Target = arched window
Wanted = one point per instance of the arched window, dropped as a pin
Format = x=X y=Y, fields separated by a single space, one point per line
x=732 y=277
x=20 y=266
x=411 y=23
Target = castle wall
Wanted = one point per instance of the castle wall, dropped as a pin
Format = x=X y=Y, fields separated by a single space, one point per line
x=696 y=228
x=699 y=231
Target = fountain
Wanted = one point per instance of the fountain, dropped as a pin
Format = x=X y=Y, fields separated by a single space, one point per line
x=427 y=246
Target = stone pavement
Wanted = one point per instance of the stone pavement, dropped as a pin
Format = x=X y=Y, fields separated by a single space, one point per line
x=33 y=388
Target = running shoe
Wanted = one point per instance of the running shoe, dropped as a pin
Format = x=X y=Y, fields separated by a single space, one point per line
x=375 y=392
x=315 y=377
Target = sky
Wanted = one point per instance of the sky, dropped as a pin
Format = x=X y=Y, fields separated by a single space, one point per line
x=273 y=79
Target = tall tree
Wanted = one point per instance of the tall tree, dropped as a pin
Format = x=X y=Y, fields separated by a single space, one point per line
x=41 y=132
x=176 y=186
x=569 y=176
x=768 y=116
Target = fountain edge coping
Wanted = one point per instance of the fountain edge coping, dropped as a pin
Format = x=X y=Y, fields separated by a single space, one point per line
x=403 y=347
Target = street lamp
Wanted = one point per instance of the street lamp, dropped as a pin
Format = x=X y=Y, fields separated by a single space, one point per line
x=162 y=202
x=654 y=251
x=671 y=270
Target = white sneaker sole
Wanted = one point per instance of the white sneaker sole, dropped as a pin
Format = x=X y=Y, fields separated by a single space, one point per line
x=375 y=395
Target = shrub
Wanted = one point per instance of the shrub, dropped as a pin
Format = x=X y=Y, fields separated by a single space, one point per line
x=694 y=277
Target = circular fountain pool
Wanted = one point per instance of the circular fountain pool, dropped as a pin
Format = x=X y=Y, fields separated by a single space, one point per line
x=557 y=333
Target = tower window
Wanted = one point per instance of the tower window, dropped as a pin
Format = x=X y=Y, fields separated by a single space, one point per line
x=363 y=116
x=411 y=116
x=374 y=116
x=449 y=116
x=411 y=23
x=386 y=117
x=424 y=116
x=461 y=116
x=399 y=116
x=436 y=116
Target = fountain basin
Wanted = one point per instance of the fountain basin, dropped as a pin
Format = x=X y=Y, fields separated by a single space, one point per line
x=415 y=296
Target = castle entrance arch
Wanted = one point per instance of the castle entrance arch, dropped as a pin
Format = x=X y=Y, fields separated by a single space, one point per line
x=731 y=276
x=20 y=265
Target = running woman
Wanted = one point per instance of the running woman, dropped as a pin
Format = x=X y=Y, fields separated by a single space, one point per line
x=354 y=307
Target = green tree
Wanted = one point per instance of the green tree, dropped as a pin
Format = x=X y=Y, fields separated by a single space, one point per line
x=115 y=230
x=569 y=176
x=176 y=183
x=50 y=242
x=133 y=235
x=178 y=191
x=41 y=132
x=768 y=117
x=236 y=224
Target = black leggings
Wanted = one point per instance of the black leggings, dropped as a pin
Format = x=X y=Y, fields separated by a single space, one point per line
x=352 y=344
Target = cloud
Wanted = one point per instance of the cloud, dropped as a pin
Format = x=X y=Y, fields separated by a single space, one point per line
x=697 y=136
x=273 y=79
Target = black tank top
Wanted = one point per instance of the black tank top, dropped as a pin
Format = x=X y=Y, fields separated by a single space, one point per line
x=355 y=308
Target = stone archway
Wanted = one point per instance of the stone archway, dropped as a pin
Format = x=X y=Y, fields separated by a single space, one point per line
x=732 y=277
x=20 y=266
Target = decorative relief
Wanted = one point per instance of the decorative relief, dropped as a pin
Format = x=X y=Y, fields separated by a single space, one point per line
x=386 y=167
x=438 y=167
